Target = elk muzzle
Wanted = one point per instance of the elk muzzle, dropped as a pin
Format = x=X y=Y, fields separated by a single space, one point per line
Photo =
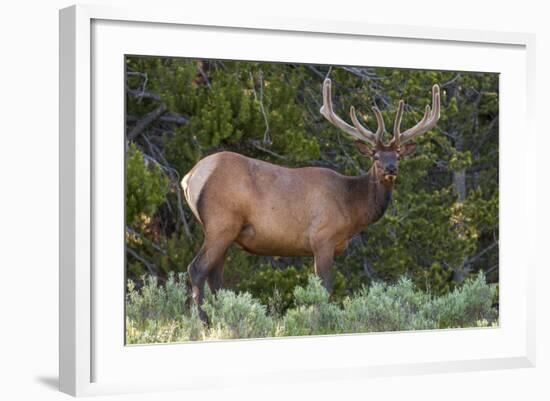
x=390 y=172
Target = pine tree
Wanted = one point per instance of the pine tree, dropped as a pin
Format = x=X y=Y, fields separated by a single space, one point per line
x=442 y=224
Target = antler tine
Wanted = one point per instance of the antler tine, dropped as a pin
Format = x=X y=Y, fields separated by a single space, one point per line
x=397 y=124
x=328 y=112
x=380 y=121
x=364 y=131
x=428 y=121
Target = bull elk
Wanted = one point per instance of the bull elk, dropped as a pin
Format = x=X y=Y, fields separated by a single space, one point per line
x=312 y=211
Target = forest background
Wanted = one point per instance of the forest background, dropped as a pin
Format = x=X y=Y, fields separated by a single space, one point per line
x=442 y=224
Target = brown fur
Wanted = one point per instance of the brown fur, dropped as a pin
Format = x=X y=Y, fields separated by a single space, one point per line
x=272 y=210
x=279 y=211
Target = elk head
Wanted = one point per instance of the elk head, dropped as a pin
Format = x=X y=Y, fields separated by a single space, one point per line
x=386 y=156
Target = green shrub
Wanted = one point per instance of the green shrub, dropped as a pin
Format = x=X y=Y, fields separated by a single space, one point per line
x=470 y=303
x=386 y=308
x=162 y=313
x=237 y=316
x=274 y=287
x=184 y=328
x=146 y=187
x=158 y=301
x=314 y=314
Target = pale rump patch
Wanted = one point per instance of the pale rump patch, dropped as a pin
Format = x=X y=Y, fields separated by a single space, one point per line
x=194 y=182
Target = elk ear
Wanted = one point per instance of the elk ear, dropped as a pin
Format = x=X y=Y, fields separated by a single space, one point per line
x=364 y=149
x=407 y=149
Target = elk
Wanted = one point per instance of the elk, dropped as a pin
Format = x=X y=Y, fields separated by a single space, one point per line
x=268 y=209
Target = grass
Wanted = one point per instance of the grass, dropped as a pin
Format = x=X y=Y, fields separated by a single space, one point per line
x=164 y=313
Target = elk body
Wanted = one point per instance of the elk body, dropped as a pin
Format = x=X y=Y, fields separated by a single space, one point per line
x=272 y=210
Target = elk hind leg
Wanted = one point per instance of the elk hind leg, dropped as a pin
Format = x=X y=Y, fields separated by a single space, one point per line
x=197 y=271
x=215 y=276
x=208 y=265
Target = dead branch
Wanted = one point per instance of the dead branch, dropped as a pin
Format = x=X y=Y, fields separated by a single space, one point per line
x=148 y=119
x=260 y=100
x=141 y=237
x=270 y=152
x=482 y=252
x=143 y=94
x=149 y=265
x=205 y=77
x=174 y=118
x=174 y=177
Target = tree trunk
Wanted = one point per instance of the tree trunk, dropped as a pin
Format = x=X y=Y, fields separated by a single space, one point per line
x=459 y=181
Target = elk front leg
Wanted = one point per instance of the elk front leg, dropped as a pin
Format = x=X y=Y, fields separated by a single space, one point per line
x=324 y=257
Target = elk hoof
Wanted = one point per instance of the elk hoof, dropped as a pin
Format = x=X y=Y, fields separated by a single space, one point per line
x=204 y=318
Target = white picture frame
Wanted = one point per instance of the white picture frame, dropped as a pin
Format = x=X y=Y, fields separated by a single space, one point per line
x=91 y=358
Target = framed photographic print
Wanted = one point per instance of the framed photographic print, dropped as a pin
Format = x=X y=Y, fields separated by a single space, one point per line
x=284 y=199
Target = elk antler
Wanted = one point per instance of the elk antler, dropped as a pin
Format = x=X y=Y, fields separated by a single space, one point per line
x=359 y=131
x=428 y=121
x=381 y=128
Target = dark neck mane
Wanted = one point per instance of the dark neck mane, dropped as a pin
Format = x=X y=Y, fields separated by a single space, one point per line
x=370 y=197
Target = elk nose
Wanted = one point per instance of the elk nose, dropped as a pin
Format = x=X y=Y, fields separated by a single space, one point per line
x=391 y=169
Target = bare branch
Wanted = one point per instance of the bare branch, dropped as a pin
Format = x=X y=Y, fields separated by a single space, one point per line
x=174 y=118
x=143 y=94
x=260 y=147
x=148 y=119
x=482 y=252
x=205 y=77
x=491 y=269
x=260 y=100
x=166 y=118
x=451 y=80
x=174 y=179
x=140 y=236
x=316 y=71
x=150 y=266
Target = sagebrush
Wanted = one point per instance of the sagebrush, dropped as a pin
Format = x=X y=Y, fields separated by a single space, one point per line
x=158 y=313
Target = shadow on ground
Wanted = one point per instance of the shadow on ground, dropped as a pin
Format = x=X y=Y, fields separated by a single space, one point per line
x=52 y=382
